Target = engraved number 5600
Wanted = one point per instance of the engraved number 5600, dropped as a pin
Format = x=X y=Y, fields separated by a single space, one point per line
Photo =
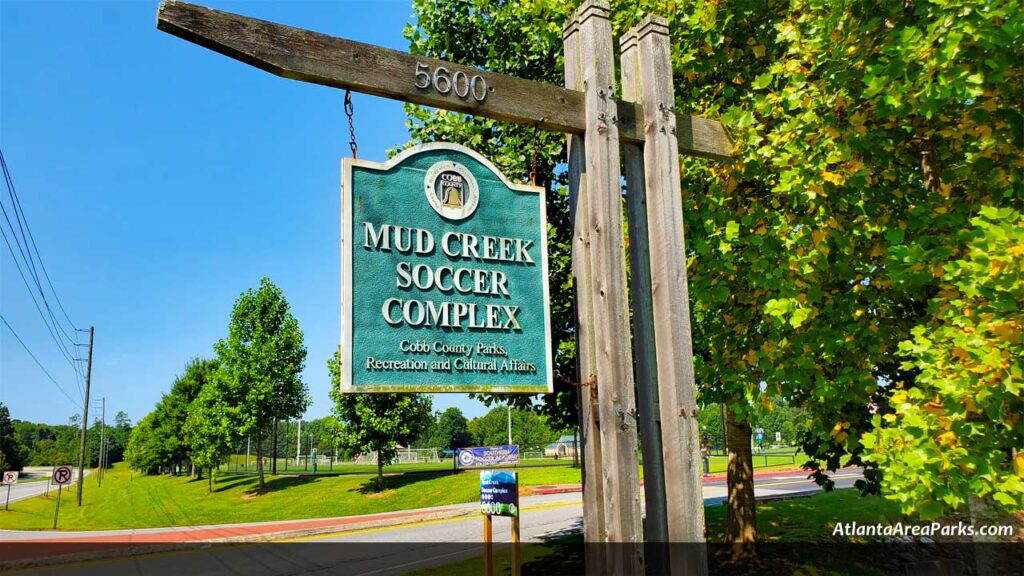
x=444 y=82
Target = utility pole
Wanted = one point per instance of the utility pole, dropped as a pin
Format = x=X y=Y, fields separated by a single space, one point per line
x=509 y=422
x=85 y=419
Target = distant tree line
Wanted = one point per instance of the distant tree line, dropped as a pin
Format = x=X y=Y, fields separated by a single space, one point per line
x=24 y=443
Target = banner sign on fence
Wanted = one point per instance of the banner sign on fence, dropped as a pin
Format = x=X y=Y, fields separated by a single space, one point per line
x=487 y=456
x=444 y=276
x=499 y=493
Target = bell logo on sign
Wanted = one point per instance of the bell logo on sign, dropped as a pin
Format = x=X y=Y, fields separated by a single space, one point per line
x=451 y=190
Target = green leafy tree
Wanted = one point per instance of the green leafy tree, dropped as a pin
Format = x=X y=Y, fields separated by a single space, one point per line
x=11 y=457
x=261 y=360
x=169 y=445
x=528 y=428
x=377 y=422
x=867 y=134
x=956 y=433
x=142 y=452
x=210 y=430
x=450 y=431
x=508 y=37
x=45 y=444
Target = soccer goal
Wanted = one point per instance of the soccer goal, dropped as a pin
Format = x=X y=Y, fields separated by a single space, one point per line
x=405 y=456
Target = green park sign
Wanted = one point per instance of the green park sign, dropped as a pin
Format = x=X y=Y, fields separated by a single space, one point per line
x=444 y=276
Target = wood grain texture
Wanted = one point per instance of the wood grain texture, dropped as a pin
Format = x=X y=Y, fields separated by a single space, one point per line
x=313 y=57
x=612 y=353
x=656 y=523
x=670 y=298
x=590 y=435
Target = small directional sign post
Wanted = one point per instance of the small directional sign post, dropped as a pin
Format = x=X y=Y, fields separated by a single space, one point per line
x=10 y=478
x=61 y=476
x=499 y=496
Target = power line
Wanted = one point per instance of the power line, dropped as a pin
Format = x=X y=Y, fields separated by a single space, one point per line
x=26 y=243
x=59 y=387
x=19 y=214
x=63 y=351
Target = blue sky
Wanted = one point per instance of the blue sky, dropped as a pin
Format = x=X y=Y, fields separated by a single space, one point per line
x=161 y=180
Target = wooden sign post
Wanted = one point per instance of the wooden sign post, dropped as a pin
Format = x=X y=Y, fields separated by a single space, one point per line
x=644 y=123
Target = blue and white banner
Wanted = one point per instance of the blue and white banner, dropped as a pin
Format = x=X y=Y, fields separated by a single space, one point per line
x=487 y=456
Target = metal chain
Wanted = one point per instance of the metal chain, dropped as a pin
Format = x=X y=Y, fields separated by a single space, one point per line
x=533 y=162
x=349 y=111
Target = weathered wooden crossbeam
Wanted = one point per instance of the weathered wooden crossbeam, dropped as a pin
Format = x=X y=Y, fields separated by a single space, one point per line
x=321 y=59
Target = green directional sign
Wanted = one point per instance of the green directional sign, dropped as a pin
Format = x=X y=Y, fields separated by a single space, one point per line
x=444 y=276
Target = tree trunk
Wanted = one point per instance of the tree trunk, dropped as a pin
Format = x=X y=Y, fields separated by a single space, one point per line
x=209 y=486
x=380 y=473
x=741 y=528
x=259 y=462
x=198 y=472
x=273 y=465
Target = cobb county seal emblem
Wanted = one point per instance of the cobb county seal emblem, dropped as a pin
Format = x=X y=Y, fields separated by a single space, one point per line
x=451 y=190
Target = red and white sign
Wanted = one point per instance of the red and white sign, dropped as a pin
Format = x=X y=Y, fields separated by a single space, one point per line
x=10 y=478
x=62 y=475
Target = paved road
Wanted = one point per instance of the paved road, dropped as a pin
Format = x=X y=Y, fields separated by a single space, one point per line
x=23 y=489
x=399 y=549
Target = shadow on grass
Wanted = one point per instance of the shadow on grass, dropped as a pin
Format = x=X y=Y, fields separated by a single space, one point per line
x=396 y=481
x=279 y=483
x=234 y=482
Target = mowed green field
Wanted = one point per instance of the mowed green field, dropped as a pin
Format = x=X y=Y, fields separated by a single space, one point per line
x=128 y=500
x=237 y=462
x=770 y=459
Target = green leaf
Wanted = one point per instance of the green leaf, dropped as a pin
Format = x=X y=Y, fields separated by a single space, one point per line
x=799 y=316
x=762 y=81
x=732 y=229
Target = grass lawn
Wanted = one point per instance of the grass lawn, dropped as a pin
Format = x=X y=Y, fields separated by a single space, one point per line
x=129 y=500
